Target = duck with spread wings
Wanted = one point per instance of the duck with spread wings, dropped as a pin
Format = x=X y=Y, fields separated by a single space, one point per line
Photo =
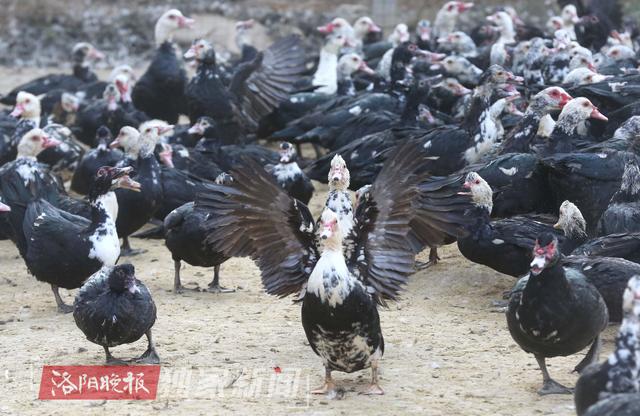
x=256 y=89
x=341 y=284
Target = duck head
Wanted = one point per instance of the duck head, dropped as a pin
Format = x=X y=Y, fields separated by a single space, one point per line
x=84 y=51
x=337 y=25
x=339 y=176
x=128 y=139
x=569 y=15
x=27 y=106
x=550 y=99
x=571 y=221
x=545 y=253
x=123 y=85
x=201 y=126
x=170 y=22
x=330 y=230
x=201 y=50
x=70 y=103
x=122 y=278
x=365 y=25
x=287 y=153
x=400 y=34
x=124 y=70
x=224 y=179
x=166 y=155
x=34 y=142
x=109 y=178
x=423 y=30
x=479 y=190
x=453 y=86
x=350 y=63
x=111 y=96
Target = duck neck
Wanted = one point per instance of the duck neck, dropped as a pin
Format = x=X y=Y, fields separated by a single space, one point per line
x=326 y=75
x=624 y=362
x=104 y=209
x=552 y=278
x=162 y=33
x=333 y=244
x=568 y=122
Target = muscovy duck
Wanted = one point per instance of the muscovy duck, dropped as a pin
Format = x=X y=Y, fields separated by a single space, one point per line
x=623 y=213
x=65 y=249
x=289 y=175
x=257 y=87
x=114 y=308
x=93 y=160
x=554 y=311
x=82 y=54
x=619 y=374
x=184 y=236
x=505 y=245
x=138 y=208
x=160 y=91
x=28 y=111
x=446 y=17
x=338 y=292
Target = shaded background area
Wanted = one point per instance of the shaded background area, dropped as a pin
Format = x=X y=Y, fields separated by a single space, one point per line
x=41 y=32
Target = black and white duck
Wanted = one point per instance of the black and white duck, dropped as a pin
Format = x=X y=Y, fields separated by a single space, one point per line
x=93 y=160
x=160 y=90
x=65 y=249
x=28 y=112
x=554 y=311
x=184 y=236
x=289 y=175
x=620 y=374
x=83 y=54
x=505 y=245
x=339 y=293
x=623 y=213
x=138 y=208
x=114 y=308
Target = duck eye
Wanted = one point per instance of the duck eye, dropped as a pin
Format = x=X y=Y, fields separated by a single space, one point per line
x=585 y=104
x=102 y=172
x=354 y=59
x=450 y=7
x=477 y=182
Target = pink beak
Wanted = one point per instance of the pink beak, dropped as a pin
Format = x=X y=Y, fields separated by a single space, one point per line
x=4 y=207
x=598 y=115
x=515 y=78
x=167 y=159
x=185 y=22
x=112 y=105
x=464 y=6
x=50 y=142
x=326 y=29
x=374 y=28
x=96 y=54
x=466 y=185
x=195 y=129
x=164 y=129
x=565 y=99
x=115 y=143
x=191 y=53
x=18 y=110
x=365 y=68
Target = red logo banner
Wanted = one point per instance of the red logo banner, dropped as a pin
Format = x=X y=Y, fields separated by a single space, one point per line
x=99 y=382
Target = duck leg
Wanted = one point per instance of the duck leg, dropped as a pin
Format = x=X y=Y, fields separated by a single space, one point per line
x=433 y=259
x=111 y=360
x=549 y=385
x=62 y=307
x=329 y=387
x=374 y=387
x=150 y=356
x=127 y=251
x=591 y=357
x=214 y=286
x=177 y=284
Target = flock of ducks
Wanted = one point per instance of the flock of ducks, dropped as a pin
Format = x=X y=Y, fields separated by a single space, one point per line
x=520 y=144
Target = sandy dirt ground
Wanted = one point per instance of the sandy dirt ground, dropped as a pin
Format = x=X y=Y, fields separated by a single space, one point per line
x=447 y=351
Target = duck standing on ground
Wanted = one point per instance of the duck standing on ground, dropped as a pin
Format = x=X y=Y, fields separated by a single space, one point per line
x=555 y=311
x=160 y=91
x=65 y=249
x=113 y=308
x=621 y=372
x=138 y=208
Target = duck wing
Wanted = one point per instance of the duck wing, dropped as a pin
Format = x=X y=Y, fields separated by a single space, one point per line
x=261 y=85
x=253 y=216
x=378 y=250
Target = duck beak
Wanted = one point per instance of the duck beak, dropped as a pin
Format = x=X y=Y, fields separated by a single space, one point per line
x=557 y=226
x=4 y=207
x=190 y=54
x=537 y=265
x=50 y=142
x=365 y=68
x=464 y=6
x=195 y=129
x=515 y=78
x=598 y=115
x=17 y=110
x=115 y=143
x=96 y=54
x=185 y=22
x=564 y=100
x=125 y=182
x=326 y=29
x=374 y=28
x=165 y=129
